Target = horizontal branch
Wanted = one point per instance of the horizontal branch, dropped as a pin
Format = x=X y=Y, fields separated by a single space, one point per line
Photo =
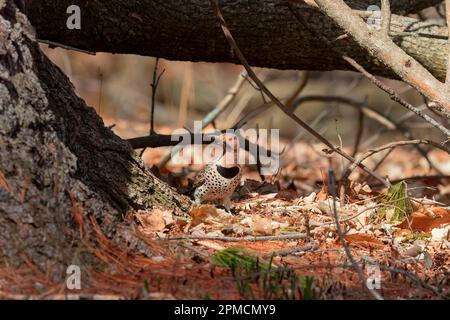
x=266 y=32
x=166 y=140
x=289 y=236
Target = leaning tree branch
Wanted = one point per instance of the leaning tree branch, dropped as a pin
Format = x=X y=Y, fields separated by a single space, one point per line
x=381 y=47
x=357 y=66
x=276 y=101
x=268 y=36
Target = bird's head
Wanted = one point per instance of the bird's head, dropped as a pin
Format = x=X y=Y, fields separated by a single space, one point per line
x=230 y=150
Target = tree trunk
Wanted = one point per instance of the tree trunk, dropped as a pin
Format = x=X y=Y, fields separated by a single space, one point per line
x=266 y=31
x=57 y=158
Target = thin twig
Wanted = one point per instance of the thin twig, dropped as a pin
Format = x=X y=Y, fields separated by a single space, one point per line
x=391 y=145
x=447 y=15
x=380 y=162
x=381 y=47
x=392 y=94
x=282 y=107
x=226 y=101
x=403 y=272
x=414 y=178
x=307 y=247
x=395 y=97
x=386 y=16
x=356 y=215
x=253 y=114
x=53 y=44
x=371 y=113
x=166 y=140
x=300 y=135
x=304 y=77
x=154 y=85
x=213 y=114
x=356 y=267
x=241 y=239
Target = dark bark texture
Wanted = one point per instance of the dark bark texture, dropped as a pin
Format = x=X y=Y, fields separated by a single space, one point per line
x=56 y=155
x=266 y=31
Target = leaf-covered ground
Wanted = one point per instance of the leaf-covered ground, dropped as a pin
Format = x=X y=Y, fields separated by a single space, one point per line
x=280 y=241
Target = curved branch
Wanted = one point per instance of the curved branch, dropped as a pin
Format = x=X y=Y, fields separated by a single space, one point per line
x=371 y=113
x=390 y=146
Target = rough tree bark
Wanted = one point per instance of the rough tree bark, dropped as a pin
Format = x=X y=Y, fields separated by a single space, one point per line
x=265 y=31
x=56 y=155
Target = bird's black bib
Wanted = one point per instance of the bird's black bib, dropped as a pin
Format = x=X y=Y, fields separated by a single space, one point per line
x=228 y=173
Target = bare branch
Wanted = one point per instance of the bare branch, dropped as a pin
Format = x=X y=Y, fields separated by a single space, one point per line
x=405 y=273
x=447 y=15
x=241 y=239
x=362 y=278
x=53 y=45
x=371 y=113
x=386 y=51
x=415 y=178
x=154 y=85
x=390 y=146
x=213 y=114
x=275 y=100
x=386 y=16
x=307 y=247
x=165 y=140
x=359 y=133
x=304 y=77
x=393 y=95
x=226 y=101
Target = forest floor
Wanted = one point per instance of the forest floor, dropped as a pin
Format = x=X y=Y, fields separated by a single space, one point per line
x=280 y=239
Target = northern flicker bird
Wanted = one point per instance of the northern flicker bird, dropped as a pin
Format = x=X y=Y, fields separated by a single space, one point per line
x=217 y=181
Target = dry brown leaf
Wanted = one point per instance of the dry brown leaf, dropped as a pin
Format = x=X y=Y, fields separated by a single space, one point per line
x=363 y=239
x=155 y=220
x=422 y=222
x=402 y=233
x=200 y=214
x=262 y=226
